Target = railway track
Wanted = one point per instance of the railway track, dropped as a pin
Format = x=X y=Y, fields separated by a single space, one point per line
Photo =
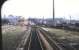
x=57 y=43
x=33 y=42
x=39 y=39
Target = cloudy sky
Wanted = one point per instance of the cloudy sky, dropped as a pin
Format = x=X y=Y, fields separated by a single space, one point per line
x=40 y=8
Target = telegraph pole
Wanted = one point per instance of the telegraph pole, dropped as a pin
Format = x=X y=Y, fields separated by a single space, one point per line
x=53 y=11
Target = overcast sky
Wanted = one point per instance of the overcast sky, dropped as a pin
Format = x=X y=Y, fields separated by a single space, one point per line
x=40 y=8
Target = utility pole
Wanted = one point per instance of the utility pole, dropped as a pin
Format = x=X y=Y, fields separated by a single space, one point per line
x=43 y=20
x=70 y=19
x=53 y=11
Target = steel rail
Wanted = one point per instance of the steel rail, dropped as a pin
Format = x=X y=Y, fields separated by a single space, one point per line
x=53 y=41
x=33 y=42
